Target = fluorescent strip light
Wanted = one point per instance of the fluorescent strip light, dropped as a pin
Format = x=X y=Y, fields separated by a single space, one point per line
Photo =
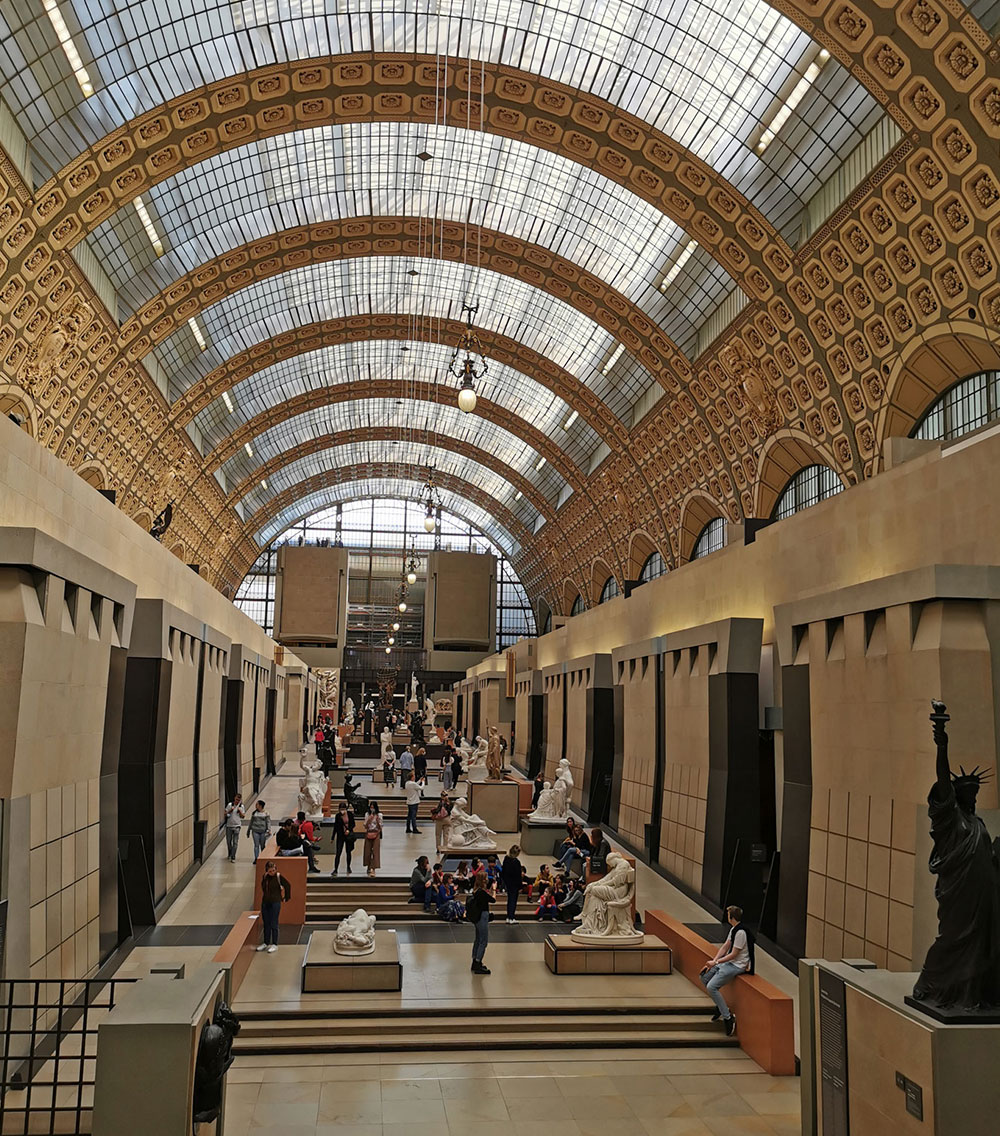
x=228 y=401
x=263 y=483
x=613 y=358
x=572 y=418
x=678 y=264
x=196 y=332
x=246 y=446
x=799 y=91
x=541 y=462
x=147 y=224
x=518 y=495
x=68 y=46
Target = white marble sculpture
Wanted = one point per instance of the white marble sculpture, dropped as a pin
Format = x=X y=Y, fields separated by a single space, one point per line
x=466 y=830
x=386 y=740
x=494 y=755
x=349 y=712
x=429 y=711
x=552 y=806
x=312 y=787
x=607 y=907
x=475 y=761
x=356 y=934
x=413 y=686
x=565 y=775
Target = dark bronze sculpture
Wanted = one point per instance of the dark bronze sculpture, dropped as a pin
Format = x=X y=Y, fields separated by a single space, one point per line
x=162 y=522
x=357 y=801
x=215 y=1055
x=962 y=968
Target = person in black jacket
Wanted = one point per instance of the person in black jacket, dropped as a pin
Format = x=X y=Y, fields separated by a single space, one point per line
x=477 y=912
x=513 y=876
x=343 y=835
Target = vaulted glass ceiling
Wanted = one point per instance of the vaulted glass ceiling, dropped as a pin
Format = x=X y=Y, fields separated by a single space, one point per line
x=380 y=359
x=400 y=414
x=382 y=285
x=703 y=71
x=357 y=453
x=401 y=488
x=372 y=169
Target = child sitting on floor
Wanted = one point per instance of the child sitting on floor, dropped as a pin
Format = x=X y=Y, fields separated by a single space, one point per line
x=547 y=906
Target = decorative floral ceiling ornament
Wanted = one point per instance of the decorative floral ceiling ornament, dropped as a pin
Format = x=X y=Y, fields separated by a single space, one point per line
x=761 y=401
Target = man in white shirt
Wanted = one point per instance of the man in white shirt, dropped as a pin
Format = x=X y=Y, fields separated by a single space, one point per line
x=234 y=822
x=733 y=958
x=414 y=794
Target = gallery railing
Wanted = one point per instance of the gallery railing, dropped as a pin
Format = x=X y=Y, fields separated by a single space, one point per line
x=48 y=1052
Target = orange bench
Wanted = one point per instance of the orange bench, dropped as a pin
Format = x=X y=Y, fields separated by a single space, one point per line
x=295 y=869
x=766 y=1029
x=238 y=948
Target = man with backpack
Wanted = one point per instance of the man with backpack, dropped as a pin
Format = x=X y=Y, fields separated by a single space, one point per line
x=733 y=958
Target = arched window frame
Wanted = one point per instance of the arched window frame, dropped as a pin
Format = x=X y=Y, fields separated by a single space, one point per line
x=610 y=590
x=577 y=607
x=812 y=484
x=712 y=538
x=654 y=567
x=966 y=406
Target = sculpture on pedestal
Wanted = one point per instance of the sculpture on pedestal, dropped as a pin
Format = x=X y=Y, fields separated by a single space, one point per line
x=355 y=934
x=349 y=711
x=357 y=801
x=551 y=805
x=312 y=787
x=564 y=776
x=215 y=1055
x=962 y=968
x=494 y=757
x=607 y=906
x=466 y=830
x=386 y=741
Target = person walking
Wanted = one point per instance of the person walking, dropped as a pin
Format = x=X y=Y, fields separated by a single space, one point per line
x=274 y=891
x=414 y=795
x=477 y=912
x=343 y=836
x=405 y=766
x=512 y=873
x=259 y=829
x=234 y=822
x=373 y=839
x=446 y=771
x=733 y=958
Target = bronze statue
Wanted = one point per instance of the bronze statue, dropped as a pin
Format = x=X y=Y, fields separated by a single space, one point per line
x=215 y=1055
x=162 y=522
x=962 y=968
x=357 y=801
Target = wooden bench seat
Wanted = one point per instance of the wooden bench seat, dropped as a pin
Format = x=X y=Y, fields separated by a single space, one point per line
x=765 y=1016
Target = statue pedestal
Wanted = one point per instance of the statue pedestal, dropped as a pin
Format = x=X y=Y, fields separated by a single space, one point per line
x=539 y=837
x=645 y=955
x=496 y=803
x=324 y=971
x=336 y=780
x=476 y=773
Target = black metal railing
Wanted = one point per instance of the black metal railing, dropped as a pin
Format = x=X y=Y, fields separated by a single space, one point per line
x=49 y=1052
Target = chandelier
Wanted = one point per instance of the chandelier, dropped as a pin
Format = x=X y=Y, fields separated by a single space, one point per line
x=468 y=368
x=432 y=501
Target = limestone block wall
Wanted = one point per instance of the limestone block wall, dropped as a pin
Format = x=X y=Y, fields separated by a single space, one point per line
x=553 y=682
x=294 y=709
x=577 y=680
x=637 y=677
x=211 y=786
x=686 y=745
x=184 y=652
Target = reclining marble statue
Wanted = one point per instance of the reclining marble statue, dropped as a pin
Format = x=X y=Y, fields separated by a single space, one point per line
x=962 y=967
x=466 y=830
x=356 y=934
x=607 y=906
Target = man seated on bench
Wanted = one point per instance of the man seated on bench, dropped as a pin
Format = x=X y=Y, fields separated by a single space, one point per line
x=733 y=958
x=290 y=843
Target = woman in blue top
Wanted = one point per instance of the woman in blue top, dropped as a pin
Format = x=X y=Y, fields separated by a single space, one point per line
x=448 y=905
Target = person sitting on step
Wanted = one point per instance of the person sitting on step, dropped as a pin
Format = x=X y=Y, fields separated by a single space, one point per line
x=291 y=844
x=570 y=907
x=463 y=878
x=419 y=878
x=543 y=879
x=431 y=894
x=449 y=907
x=547 y=905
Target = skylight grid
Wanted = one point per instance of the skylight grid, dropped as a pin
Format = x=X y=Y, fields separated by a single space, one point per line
x=698 y=70
x=380 y=285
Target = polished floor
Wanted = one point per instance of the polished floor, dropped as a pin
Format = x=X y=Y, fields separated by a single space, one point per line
x=680 y=1092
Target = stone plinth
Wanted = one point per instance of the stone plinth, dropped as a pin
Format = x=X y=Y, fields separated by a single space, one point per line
x=336 y=779
x=324 y=971
x=496 y=803
x=538 y=838
x=647 y=955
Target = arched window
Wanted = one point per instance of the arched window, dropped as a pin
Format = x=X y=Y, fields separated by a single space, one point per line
x=577 y=605
x=808 y=487
x=711 y=538
x=655 y=566
x=964 y=407
x=609 y=591
x=547 y=625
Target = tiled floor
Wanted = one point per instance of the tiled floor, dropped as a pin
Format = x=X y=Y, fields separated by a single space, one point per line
x=475 y=1093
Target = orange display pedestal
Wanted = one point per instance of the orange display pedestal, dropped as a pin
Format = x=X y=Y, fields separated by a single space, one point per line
x=295 y=869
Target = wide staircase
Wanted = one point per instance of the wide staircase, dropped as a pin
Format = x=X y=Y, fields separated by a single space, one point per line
x=646 y=1024
x=330 y=900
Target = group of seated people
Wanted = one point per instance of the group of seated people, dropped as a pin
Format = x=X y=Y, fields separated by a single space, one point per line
x=559 y=896
x=297 y=837
x=579 y=851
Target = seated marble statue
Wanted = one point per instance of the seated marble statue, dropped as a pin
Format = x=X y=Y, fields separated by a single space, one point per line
x=607 y=904
x=552 y=804
x=478 y=755
x=466 y=830
x=356 y=934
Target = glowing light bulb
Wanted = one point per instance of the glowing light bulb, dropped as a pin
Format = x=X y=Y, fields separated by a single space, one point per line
x=411 y=577
x=402 y=605
x=467 y=399
x=388 y=650
x=395 y=627
x=429 y=523
x=391 y=641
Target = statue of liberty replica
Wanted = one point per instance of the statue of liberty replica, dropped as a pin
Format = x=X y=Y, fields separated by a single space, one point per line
x=962 y=968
